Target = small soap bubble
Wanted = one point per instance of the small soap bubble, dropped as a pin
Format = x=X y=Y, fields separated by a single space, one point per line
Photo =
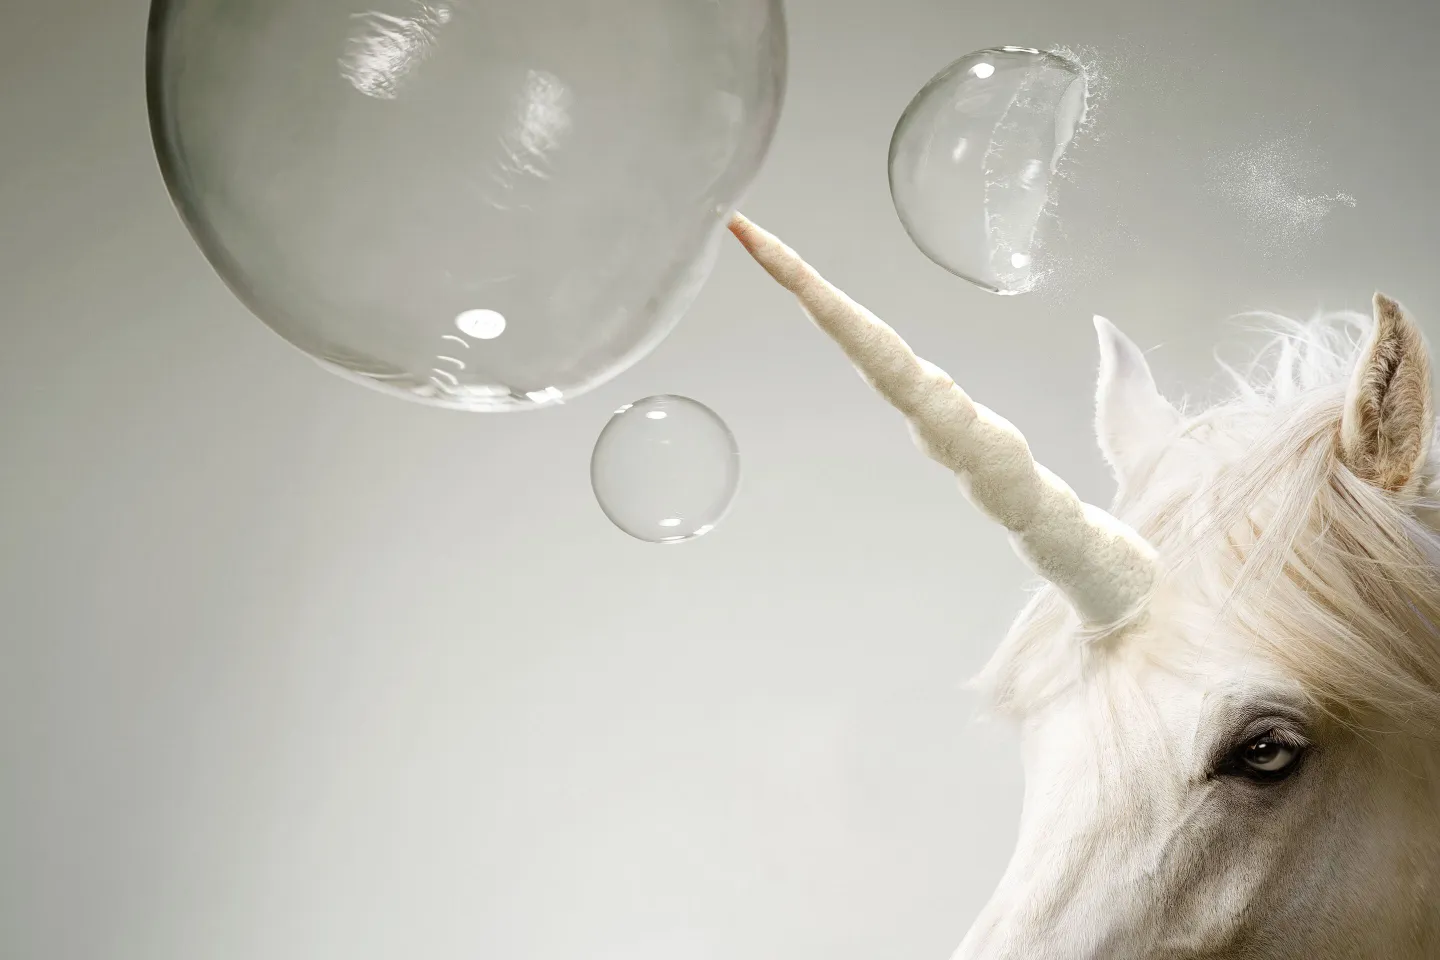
x=974 y=160
x=665 y=469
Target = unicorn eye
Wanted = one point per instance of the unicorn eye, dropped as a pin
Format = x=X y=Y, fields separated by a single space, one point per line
x=1269 y=755
x=1266 y=758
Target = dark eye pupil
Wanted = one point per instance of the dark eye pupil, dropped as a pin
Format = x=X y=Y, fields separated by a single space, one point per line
x=1268 y=758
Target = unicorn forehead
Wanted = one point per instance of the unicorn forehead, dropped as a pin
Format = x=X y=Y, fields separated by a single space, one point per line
x=1104 y=568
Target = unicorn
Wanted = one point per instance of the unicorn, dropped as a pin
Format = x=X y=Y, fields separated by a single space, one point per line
x=1227 y=689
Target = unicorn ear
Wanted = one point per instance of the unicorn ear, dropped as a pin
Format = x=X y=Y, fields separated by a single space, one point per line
x=1131 y=416
x=1388 y=420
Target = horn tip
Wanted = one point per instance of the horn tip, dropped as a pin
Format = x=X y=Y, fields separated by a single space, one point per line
x=744 y=230
x=751 y=237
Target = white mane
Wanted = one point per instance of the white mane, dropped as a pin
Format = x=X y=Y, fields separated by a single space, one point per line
x=1270 y=538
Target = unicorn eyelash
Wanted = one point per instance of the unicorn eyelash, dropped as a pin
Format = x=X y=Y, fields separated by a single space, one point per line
x=1282 y=730
x=1286 y=737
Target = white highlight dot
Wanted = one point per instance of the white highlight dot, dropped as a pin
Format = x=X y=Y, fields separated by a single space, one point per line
x=481 y=324
x=1019 y=260
x=983 y=70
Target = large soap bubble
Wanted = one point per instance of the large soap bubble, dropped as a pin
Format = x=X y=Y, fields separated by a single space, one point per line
x=479 y=204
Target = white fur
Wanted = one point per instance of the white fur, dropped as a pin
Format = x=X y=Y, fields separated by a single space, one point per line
x=1291 y=590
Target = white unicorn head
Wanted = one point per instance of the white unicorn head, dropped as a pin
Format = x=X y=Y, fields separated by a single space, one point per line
x=1229 y=703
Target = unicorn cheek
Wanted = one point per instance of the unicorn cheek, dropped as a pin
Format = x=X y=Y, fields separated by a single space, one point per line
x=1101 y=898
x=1067 y=891
x=1104 y=864
x=1069 y=906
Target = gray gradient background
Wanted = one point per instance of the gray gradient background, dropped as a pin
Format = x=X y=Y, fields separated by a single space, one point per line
x=290 y=670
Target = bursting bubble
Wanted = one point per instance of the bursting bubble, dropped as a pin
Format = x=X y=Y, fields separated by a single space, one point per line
x=475 y=204
x=975 y=157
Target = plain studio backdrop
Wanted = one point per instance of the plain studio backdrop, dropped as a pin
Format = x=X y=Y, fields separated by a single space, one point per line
x=292 y=670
